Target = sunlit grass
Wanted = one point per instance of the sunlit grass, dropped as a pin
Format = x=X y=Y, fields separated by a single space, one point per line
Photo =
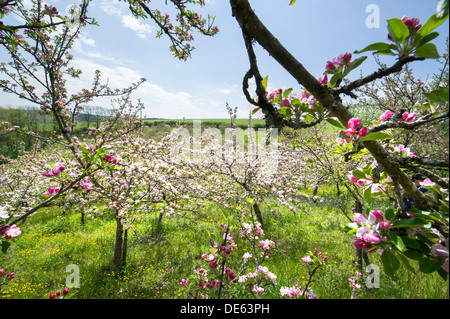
x=159 y=257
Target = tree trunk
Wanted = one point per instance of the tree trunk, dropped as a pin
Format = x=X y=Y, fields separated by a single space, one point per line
x=258 y=214
x=118 y=244
x=124 y=249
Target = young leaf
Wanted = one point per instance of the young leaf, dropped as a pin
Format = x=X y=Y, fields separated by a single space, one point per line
x=376 y=136
x=287 y=92
x=358 y=174
x=427 y=51
x=357 y=62
x=378 y=46
x=335 y=123
x=396 y=240
x=292 y=2
x=398 y=30
x=264 y=82
x=368 y=195
x=432 y=23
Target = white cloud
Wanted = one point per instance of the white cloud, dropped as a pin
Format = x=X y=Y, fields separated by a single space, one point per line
x=114 y=8
x=136 y=25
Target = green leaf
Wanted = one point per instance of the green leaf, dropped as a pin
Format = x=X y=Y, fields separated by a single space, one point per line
x=264 y=82
x=357 y=62
x=440 y=94
x=339 y=148
x=256 y=110
x=410 y=222
x=5 y=246
x=376 y=136
x=309 y=117
x=410 y=243
x=335 y=78
x=335 y=123
x=368 y=195
x=286 y=111
x=432 y=23
x=421 y=41
x=405 y=262
x=444 y=275
x=292 y=2
x=287 y=92
x=378 y=46
x=398 y=30
x=396 y=240
x=427 y=51
x=351 y=228
x=390 y=263
x=413 y=254
x=358 y=174
x=426 y=215
x=428 y=266
x=390 y=214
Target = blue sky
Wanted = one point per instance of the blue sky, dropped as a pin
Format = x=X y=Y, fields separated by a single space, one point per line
x=125 y=49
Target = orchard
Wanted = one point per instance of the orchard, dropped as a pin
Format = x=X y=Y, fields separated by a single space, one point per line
x=234 y=214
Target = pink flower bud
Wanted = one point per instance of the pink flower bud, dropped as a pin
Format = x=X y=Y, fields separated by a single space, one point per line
x=385 y=224
x=363 y=132
x=354 y=122
x=378 y=214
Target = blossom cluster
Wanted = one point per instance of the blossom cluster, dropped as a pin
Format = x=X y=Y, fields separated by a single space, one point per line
x=413 y=25
x=10 y=232
x=55 y=171
x=296 y=292
x=368 y=234
x=59 y=294
x=353 y=125
x=9 y=276
x=342 y=60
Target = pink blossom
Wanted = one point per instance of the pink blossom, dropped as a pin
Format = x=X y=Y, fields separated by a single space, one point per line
x=387 y=115
x=354 y=122
x=411 y=23
x=350 y=131
x=330 y=66
x=285 y=102
x=408 y=117
x=359 y=218
x=324 y=80
x=378 y=214
x=258 y=290
x=184 y=282
x=385 y=224
x=427 y=182
x=307 y=259
x=247 y=256
x=12 y=231
x=353 y=179
x=363 y=132
x=361 y=182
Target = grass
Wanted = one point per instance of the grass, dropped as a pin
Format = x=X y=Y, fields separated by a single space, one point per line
x=159 y=257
